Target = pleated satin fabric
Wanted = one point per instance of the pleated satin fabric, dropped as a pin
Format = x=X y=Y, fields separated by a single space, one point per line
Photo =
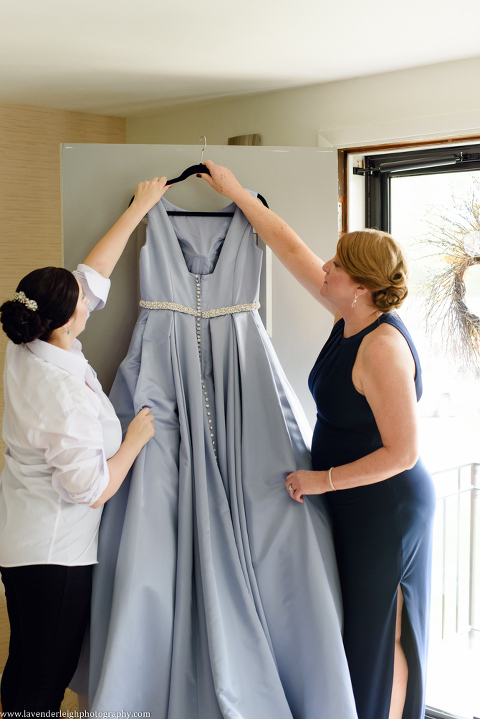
x=216 y=595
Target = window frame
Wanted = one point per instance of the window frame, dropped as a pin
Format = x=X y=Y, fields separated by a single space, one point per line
x=380 y=168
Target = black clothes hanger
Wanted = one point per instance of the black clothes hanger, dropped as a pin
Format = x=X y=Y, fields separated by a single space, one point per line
x=195 y=170
x=192 y=170
x=186 y=213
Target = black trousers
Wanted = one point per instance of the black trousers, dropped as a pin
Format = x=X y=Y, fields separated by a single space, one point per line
x=48 y=608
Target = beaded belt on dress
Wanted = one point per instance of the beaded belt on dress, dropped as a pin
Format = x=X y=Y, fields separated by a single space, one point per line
x=151 y=305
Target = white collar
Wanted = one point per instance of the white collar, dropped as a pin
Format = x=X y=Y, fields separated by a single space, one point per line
x=72 y=362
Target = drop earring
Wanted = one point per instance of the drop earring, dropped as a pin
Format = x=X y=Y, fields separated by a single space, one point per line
x=355 y=300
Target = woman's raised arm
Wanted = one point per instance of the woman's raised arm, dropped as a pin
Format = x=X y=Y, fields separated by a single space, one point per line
x=292 y=252
x=108 y=250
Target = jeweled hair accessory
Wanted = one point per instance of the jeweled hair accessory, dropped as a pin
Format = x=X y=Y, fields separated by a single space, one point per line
x=21 y=297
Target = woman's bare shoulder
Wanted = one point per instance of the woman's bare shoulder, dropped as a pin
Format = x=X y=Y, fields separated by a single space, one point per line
x=386 y=345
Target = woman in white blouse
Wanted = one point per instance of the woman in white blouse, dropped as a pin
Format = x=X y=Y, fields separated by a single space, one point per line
x=64 y=459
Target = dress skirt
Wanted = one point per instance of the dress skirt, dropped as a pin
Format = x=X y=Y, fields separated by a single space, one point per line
x=215 y=596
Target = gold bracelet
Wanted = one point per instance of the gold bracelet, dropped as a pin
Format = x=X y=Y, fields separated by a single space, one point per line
x=330 y=479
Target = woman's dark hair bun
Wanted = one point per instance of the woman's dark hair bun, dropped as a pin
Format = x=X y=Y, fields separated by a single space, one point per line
x=20 y=324
x=55 y=290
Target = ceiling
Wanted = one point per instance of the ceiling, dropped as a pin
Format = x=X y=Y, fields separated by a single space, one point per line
x=124 y=58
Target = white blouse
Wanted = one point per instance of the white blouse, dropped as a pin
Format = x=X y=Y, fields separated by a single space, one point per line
x=59 y=434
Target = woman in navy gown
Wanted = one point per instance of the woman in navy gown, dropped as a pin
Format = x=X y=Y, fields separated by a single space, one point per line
x=365 y=382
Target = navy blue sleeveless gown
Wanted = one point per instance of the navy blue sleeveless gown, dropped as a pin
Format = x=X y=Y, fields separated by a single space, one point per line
x=382 y=533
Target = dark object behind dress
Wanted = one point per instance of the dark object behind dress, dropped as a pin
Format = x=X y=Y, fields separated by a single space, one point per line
x=382 y=532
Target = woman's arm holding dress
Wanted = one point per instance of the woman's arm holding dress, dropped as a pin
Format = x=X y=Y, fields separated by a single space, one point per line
x=139 y=431
x=292 y=252
x=72 y=442
x=385 y=376
x=106 y=253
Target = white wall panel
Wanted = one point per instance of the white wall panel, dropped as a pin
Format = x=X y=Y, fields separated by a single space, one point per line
x=300 y=184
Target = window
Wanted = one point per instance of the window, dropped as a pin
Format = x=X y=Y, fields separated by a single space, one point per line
x=422 y=196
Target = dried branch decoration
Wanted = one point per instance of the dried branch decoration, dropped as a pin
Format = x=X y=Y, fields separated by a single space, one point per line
x=457 y=238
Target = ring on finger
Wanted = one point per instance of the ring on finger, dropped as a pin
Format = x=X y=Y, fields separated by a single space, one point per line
x=290 y=488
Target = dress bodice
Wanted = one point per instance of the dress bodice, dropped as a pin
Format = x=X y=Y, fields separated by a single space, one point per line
x=219 y=249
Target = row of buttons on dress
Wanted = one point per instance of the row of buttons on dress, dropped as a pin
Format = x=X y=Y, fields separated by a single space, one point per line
x=204 y=388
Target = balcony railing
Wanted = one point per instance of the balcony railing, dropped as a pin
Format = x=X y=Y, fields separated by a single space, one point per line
x=456 y=553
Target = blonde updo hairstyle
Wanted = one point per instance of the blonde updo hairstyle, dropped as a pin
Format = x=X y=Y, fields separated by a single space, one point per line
x=376 y=260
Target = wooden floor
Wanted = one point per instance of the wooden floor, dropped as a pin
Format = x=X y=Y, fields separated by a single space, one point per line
x=70 y=702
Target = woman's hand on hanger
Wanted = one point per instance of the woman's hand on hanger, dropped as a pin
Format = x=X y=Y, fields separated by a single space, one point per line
x=148 y=193
x=108 y=250
x=223 y=181
x=292 y=252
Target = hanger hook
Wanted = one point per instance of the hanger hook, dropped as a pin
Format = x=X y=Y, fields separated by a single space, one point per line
x=204 y=146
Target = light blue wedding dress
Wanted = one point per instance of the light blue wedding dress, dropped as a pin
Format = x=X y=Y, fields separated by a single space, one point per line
x=216 y=596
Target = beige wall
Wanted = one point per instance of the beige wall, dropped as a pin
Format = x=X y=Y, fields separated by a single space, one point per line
x=434 y=100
